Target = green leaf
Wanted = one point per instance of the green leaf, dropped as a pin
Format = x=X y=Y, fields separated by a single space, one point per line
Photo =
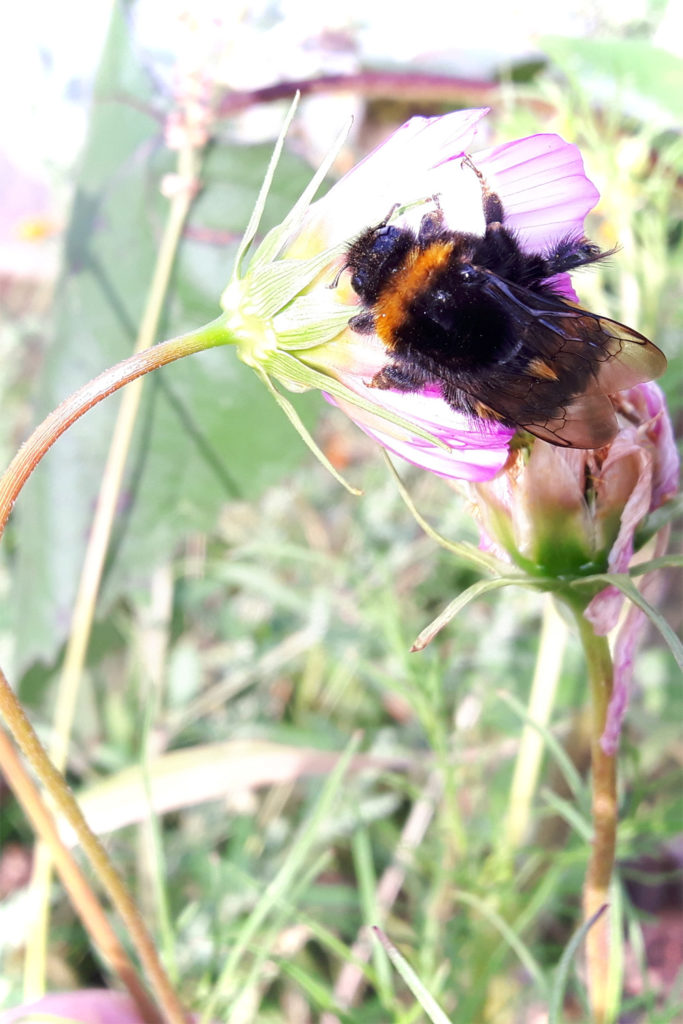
x=559 y=984
x=207 y=431
x=463 y=599
x=661 y=517
x=664 y=562
x=628 y=588
x=412 y=980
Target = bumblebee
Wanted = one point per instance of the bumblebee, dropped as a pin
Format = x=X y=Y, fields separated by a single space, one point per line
x=485 y=320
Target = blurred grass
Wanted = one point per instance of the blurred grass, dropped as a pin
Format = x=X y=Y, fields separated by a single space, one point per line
x=289 y=623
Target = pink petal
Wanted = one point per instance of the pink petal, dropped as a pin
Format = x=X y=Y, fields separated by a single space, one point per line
x=652 y=445
x=604 y=610
x=396 y=171
x=629 y=636
x=543 y=187
x=479 y=449
x=639 y=503
x=472 y=464
x=544 y=191
x=660 y=431
x=88 y=1006
x=624 y=657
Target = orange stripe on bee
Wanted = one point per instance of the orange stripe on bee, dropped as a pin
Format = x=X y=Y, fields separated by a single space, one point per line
x=393 y=305
x=485 y=412
x=538 y=368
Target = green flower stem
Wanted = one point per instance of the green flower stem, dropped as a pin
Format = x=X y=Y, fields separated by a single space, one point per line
x=605 y=813
x=73 y=407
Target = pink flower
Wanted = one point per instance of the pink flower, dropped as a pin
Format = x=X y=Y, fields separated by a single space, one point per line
x=545 y=195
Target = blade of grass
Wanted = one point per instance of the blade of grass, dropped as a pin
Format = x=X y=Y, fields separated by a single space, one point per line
x=424 y=998
x=561 y=976
x=281 y=884
x=361 y=850
x=513 y=940
x=564 y=762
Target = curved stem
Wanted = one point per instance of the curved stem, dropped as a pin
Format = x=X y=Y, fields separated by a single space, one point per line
x=73 y=407
x=605 y=814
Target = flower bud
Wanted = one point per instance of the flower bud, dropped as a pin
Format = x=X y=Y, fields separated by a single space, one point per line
x=563 y=512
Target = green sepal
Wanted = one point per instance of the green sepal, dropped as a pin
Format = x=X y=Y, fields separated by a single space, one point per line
x=257 y=212
x=277 y=239
x=297 y=375
x=311 y=320
x=270 y=287
x=294 y=418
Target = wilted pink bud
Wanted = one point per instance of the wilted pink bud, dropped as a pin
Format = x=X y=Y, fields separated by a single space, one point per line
x=569 y=513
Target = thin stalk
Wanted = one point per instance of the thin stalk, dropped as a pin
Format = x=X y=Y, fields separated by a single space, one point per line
x=551 y=648
x=26 y=738
x=87 y=396
x=83 y=613
x=80 y=893
x=605 y=814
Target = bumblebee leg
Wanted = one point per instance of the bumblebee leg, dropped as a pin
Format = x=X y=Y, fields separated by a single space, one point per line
x=383 y=223
x=398 y=378
x=431 y=225
x=363 y=323
x=572 y=252
x=493 y=208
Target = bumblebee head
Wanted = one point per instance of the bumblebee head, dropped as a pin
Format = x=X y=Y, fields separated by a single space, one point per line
x=375 y=256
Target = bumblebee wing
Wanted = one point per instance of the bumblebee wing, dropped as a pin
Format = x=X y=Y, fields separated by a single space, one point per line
x=555 y=380
x=585 y=421
x=588 y=421
x=629 y=357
